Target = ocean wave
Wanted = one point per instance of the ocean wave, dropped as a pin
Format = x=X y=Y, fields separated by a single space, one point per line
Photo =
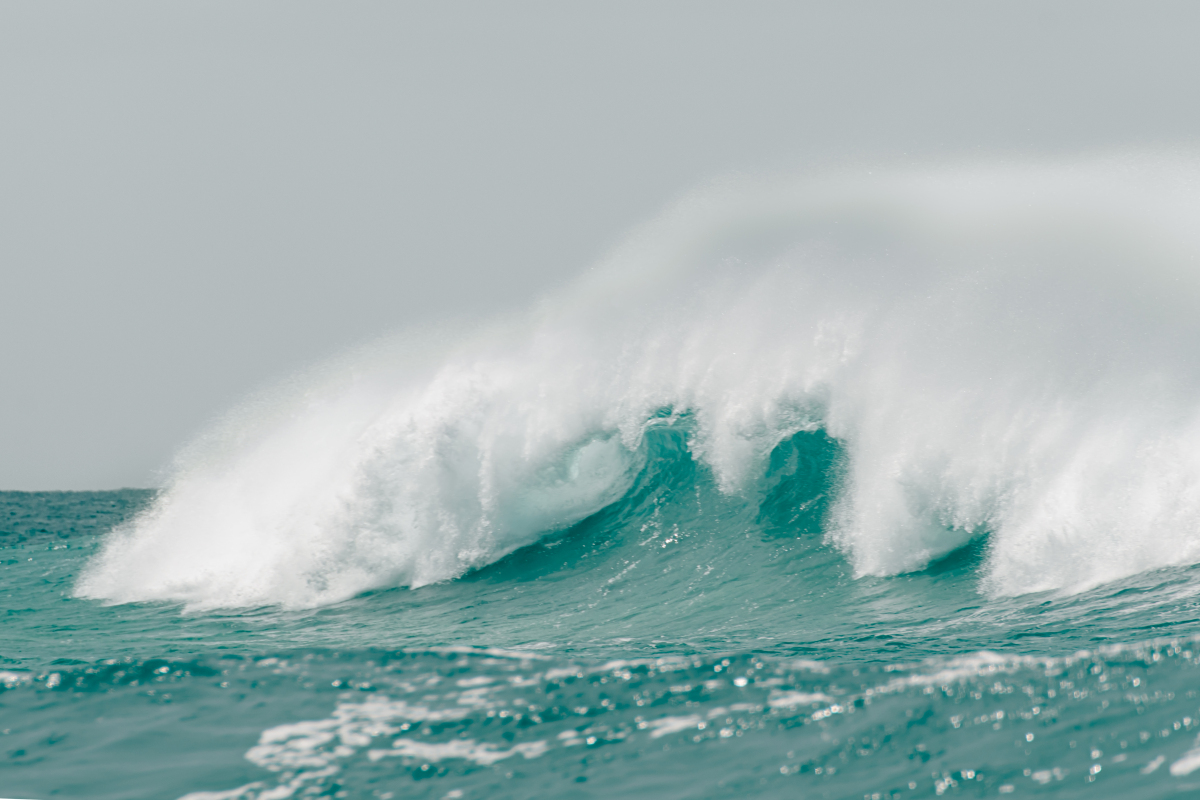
x=1005 y=352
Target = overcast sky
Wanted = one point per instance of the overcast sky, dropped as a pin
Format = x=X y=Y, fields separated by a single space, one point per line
x=199 y=197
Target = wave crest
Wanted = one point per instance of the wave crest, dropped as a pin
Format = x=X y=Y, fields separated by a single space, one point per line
x=1009 y=351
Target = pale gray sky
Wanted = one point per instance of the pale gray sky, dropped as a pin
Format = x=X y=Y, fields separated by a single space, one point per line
x=196 y=197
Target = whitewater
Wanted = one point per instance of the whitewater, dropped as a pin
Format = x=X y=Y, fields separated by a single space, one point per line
x=1001 y=352
x=878 y=482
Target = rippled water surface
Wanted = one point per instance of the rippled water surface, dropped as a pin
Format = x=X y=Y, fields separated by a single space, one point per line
x=763 y=668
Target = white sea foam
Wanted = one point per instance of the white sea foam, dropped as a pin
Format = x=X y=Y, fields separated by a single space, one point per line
x=466 y=749
x=1186 y=764
x=1004 y=349
x=10 y=679
x=665 y=726
x=793 y=699
x=305 y=753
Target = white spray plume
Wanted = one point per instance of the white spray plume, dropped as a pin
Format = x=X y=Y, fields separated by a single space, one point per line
x=1004 y=349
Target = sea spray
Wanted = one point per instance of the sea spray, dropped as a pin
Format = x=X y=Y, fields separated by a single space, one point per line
x=1000 y=351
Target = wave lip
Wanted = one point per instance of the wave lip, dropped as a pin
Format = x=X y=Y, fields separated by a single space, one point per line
x=1006 y=352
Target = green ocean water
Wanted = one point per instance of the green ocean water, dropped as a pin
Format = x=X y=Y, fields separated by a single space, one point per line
x=680 y=643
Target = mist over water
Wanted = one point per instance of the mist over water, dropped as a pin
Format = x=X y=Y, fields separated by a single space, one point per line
x=1002 y=352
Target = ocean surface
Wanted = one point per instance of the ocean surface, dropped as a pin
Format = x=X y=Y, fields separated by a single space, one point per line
x=876 y=486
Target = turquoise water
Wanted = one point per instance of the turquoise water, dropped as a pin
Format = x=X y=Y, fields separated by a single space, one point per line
x=680 y=643
x=884 y=486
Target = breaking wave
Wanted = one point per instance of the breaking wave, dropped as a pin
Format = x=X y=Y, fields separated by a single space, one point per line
x=1004 y=352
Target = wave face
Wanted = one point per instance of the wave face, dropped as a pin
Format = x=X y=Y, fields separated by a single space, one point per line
x=1000 y=354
